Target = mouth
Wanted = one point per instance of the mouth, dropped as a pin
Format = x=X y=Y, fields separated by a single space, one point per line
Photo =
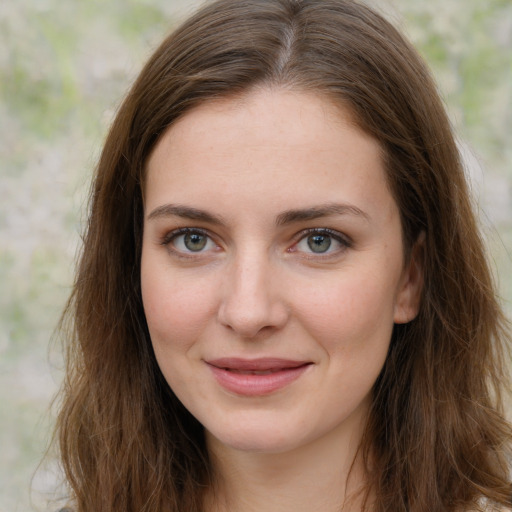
x=256 y=377
x=253 y=372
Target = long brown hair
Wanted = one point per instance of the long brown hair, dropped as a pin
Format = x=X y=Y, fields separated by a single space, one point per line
x=436 y=437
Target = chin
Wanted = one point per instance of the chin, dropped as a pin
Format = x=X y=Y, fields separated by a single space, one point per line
x=255 y=439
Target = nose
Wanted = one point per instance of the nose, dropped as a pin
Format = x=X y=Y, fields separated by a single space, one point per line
x=253 y=298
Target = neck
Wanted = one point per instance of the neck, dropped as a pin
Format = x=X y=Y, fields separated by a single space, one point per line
x=326 y=475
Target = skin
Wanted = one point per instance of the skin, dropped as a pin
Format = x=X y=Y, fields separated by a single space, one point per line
x=257 y=289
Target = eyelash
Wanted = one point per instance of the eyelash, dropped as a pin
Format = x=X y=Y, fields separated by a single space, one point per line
x=344 y=241
x=340 y=238
x=169 y=238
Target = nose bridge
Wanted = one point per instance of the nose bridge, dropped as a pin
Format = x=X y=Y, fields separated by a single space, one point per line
x=251 y=298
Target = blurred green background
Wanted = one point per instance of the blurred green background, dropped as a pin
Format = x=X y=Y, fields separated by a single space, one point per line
x=64 y=67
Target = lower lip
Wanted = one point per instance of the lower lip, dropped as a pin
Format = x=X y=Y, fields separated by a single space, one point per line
x=257 y=384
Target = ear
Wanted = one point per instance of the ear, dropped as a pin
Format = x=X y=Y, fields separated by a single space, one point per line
x=408 y=299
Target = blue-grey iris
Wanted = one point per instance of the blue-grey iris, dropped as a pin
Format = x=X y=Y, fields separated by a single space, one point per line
x=195 y=241
x=319 y=243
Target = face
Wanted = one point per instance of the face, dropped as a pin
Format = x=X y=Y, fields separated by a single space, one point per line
x=272 y=268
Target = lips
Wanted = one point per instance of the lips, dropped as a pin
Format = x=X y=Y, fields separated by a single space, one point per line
x=255 y=377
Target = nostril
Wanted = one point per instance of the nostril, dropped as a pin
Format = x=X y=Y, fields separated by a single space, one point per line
x=252 y=320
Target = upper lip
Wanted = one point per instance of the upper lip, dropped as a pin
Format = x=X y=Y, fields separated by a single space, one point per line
x=260 y=364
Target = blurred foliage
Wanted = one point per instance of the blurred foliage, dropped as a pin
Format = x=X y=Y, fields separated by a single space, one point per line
x=64 y=67
x=469 y=48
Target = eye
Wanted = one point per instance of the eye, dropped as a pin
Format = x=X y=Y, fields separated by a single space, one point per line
x=187 y=241
x=319 y=243
x=322 y=242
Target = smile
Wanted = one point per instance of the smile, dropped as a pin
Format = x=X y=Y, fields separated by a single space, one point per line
x=256 y=377
x=253 y=372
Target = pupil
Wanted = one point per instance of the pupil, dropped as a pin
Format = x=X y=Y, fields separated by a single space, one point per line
x=319 y=243
x=194 y=241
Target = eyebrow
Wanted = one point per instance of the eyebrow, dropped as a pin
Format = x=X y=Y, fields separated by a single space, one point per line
x=316 y=212
x=286 y=217
x=185 y=212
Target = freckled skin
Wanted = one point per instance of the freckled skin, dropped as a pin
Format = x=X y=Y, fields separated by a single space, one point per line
x=256 y=289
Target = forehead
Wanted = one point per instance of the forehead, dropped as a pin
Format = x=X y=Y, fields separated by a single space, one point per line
x=253 y=112
x=284 y=146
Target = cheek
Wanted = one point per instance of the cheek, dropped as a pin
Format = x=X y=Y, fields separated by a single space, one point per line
x=177 y=312
x=176 y=309
x=351 y=314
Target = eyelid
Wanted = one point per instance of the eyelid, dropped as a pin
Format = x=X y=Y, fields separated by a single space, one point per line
x=168 y=238
x=341 y=238
x=344 y=240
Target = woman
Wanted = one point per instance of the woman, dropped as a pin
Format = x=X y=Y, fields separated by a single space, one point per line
x=283 y=302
